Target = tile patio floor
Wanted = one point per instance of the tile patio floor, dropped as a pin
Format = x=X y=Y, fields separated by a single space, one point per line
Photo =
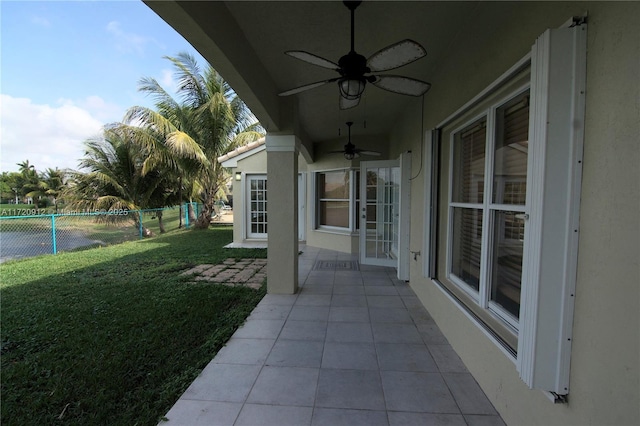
x=353 y=347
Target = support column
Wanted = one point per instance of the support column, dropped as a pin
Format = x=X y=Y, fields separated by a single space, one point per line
x=282 y=214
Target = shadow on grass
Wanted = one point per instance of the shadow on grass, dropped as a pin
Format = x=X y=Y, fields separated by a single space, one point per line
x=114 y=335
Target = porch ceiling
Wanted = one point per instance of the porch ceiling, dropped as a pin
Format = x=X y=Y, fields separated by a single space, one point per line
x=246 y=40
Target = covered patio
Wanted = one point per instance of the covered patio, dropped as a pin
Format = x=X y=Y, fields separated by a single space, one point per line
x=507 y=197
x=353 y=347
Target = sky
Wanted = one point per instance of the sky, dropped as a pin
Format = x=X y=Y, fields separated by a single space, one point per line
x=69 y=67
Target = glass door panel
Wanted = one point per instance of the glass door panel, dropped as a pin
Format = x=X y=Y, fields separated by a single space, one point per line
x=379 y=212
x=257 y=211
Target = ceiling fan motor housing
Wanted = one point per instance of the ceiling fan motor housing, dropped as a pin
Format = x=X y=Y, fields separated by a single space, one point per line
x=353 y=66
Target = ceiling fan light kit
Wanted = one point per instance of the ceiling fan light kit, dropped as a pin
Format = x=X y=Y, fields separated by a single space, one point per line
x=352 y=88
x=350 y=155
x=352 y=68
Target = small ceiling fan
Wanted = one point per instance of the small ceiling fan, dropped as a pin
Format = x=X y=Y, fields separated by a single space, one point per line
x=350 y=151
x=353 y=69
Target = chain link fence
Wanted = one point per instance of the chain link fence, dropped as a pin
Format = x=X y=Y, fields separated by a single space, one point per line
x=31 y=232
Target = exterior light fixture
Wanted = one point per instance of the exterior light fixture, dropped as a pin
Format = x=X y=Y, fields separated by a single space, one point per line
x=349 y=155
x=238 y=176
x=352 y=88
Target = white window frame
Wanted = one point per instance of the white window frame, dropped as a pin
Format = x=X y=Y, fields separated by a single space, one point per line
x=353 y=214
x=452 y=205
x=483 y=296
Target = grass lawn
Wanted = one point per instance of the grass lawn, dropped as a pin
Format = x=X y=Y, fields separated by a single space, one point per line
x=113 y=335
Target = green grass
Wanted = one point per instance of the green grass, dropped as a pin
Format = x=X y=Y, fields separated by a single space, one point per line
x=113 y=335
x=16 y=206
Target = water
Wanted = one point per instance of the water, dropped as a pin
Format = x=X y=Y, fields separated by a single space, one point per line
x=17 y=245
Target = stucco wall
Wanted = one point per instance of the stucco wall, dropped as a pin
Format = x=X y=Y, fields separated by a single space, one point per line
x=254 y=164
x=325 y=160
x=605 y=355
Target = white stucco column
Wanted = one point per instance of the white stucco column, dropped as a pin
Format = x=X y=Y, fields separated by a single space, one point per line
x=282 y=214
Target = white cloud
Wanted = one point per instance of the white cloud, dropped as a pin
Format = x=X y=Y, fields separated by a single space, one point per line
x=101 y=110
x=127 y=42
x=47 y=136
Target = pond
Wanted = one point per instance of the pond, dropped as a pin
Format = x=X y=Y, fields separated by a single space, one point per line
x=17 y=245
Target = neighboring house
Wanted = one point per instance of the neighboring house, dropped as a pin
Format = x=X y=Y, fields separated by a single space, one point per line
x=507 y=196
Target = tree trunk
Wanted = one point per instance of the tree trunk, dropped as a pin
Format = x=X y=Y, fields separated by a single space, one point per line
x=160 y=222
x=192 y=214
x=204 y=219
x=180 y=201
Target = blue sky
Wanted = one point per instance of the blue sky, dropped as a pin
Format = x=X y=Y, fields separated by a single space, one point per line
x=68 y=67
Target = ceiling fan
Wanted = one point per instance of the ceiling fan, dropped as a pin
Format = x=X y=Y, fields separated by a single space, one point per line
x=354 y=69
x=350 y=151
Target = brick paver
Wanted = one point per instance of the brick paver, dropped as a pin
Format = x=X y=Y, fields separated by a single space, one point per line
x=231 y=272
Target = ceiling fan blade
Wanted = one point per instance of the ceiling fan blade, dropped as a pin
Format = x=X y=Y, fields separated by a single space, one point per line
x=313 y=59
x=402 y=85
x=348 y=103
x=306 y=87
x=365 y=152
x=396 y=55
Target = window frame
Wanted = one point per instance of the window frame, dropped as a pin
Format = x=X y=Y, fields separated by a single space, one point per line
x=482 y=296
x=352 y=200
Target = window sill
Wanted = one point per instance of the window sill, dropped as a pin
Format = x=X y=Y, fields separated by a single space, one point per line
x=337 y=231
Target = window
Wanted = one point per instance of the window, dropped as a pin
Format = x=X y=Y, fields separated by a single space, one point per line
x=337 y=195
x=467 y=197
x=507 y=209
x=502 y=209
x=487 y=216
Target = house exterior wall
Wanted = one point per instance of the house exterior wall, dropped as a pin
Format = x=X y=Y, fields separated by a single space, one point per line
x=257 y=164
x=328 y=160
x=604 y=384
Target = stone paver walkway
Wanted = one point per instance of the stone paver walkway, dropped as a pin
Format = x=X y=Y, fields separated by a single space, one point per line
x=232 y=272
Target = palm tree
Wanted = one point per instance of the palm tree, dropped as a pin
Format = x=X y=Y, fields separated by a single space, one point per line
x=29 y=181
x=26 y=168
x=116 y=179
x=210 y=114
x=169 y=148
x=50 y=185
